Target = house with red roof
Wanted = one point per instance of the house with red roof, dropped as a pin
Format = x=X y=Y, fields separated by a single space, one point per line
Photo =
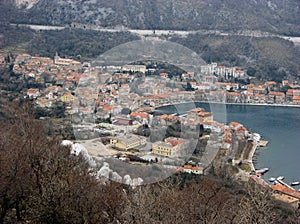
x=276 y=97
x=122 y=120
x=296 y=100
x=33 y=93
x=170 y=147
x=287 y=194
x=199 y=115
x=232 y=97
x=289 y=95
x=235 y=125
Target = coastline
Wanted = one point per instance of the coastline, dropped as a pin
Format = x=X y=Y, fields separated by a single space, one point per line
x=260 y=128
x=251 y=104
x=225 y=103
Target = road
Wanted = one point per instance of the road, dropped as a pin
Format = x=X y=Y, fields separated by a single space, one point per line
x=145 y=33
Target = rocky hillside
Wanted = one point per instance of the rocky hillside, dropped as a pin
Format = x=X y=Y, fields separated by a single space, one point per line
x=265 y=57
x=275 y=16
x=25 y=3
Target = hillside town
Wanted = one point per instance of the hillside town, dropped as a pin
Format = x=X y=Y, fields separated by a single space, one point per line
x=59 y=78
x=121 y=105
x=160 y=111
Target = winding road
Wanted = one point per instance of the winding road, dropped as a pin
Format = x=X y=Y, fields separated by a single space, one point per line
x=157 y=33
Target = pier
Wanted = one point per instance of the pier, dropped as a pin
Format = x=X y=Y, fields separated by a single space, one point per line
x=284 y=184
x=262 y=143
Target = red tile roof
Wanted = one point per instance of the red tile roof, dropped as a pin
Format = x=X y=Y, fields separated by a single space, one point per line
x=139 y=114
x=187 y=167
x=296 y=98
x=234 y=124
x=276 y=93
x=286 y=190
x=271 y=83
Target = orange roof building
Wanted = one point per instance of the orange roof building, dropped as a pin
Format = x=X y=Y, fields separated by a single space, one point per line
x=286 y=190
x=139 y=114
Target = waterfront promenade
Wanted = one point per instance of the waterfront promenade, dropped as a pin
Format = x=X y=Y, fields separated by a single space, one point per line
x=251 y=154
x=225 y=103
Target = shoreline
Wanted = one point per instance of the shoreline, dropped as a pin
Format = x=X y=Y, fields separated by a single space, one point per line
x=223 y=103
x=255 y=146
x=251 y=104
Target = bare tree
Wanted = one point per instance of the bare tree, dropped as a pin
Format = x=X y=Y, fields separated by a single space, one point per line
x=43 y=183
x=256 y=206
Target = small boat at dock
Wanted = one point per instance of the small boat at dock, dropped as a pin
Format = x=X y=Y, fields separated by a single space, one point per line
x=295 y=183
x=280 y=178
x=262 y=171
x=272 y=179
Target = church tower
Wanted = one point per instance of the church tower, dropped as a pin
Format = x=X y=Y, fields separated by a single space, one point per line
x=56 y=58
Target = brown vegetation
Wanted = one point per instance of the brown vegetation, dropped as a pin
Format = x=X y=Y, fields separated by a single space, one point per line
x=42 y=183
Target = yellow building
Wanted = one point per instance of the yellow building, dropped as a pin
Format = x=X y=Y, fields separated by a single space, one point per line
x=67 y=98
x=164 y=149
x=294 y=202
x=66 y=62
x=128 y=142
x=170 y=147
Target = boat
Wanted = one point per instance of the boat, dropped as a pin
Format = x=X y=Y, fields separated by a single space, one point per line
x=295 y=183
x=280 y=178
x=262 y=171
x=272 y=179
x=256 y=137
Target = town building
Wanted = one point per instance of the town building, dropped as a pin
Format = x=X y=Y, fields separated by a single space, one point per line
x=164 y=149
x=128 y=141
x=276 y=97
x=66 y=62
x=296 y=100
x=287 y=194
x=134 y=68
x=122 y=120
x=294 y=202
x=192 y=169
x=170 y=147
x=222 y=71
x=199 y=115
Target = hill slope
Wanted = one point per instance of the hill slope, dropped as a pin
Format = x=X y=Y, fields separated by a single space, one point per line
x=275 y=16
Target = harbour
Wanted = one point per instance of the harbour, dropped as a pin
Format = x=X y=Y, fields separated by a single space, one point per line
x=279 y=148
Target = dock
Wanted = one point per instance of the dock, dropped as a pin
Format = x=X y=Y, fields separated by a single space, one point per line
x=284 y=184
x=262 y=143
